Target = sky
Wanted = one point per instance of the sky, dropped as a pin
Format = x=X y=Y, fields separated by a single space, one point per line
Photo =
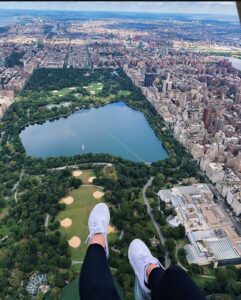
x=197 y=7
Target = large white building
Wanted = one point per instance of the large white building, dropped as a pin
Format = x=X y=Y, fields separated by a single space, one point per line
x=207 y=226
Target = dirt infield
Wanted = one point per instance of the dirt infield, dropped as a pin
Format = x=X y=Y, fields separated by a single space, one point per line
x=66 y=223
x=98 y=194
x=77 y=173
x=111 y=229
x=90 y=180
x=74 y=242
x=68 y=200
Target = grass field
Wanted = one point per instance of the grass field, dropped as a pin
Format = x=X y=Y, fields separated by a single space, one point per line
x=4 y=212
x=79 y=212
x=95 y=88
x=86 y=174
x=124 y=93
x=63 y=92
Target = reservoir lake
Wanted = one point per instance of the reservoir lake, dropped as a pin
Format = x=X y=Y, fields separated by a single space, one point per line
x=115 y=128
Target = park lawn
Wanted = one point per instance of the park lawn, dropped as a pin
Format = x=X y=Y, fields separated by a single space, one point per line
x=76 y=268
x=63 y=92
x=181 y=243
x=95 y=88
x=3 y=212
x=123 y=93
x=79 y=212
x=209 y=271
x=86 y=174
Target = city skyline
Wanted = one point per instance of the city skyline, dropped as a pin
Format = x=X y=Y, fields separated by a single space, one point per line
x=184 y=7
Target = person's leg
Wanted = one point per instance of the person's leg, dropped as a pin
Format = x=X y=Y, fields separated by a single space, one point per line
x=158 y=283
x=96 y=281
x=174 y=283
x=154 y=282
x=143 y=263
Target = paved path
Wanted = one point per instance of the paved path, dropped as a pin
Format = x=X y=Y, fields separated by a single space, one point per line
x=46 y=221
x=15 y=187
x=76 y=262
x=17 y=183
x=178 y=262
x=121 y=234
x=15 y=197
x=78 y=166
x=206 y=276
x=156 y=225
x=115 y=250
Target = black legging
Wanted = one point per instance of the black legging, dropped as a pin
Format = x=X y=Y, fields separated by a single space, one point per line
x=96 y=281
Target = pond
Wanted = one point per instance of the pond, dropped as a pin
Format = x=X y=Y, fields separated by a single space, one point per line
x=115 y=128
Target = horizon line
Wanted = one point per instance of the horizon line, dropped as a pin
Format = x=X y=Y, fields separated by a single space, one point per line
x=115 y=11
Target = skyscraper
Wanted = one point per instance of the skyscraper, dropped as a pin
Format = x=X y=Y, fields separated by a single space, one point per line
x=149 y=78
x=207 y=117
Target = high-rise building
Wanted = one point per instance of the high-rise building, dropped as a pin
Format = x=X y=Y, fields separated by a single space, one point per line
x=149 y=79
x=207 y=117
x=166 y=86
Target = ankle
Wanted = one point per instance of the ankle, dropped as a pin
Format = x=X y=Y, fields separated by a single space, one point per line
x=98 y=238
x=149 y=269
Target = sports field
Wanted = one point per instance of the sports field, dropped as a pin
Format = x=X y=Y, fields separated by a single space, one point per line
x=74 y=219
x=78 y=212
x=85 y=176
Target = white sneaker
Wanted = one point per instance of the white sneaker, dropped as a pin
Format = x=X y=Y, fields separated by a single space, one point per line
x=98 y=222
x=140 y=257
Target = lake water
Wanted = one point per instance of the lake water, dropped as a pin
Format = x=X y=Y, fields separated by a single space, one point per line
x=236 y=62
x=115 y=128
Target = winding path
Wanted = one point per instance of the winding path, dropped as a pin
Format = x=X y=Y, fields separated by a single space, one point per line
x=76 y=262
x=121 y=234
x=46 y=221
x=178 y=262
x=156 y=225
x=78 y=165
x=15 y=187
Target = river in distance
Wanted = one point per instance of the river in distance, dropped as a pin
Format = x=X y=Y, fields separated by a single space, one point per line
x=115 y=128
